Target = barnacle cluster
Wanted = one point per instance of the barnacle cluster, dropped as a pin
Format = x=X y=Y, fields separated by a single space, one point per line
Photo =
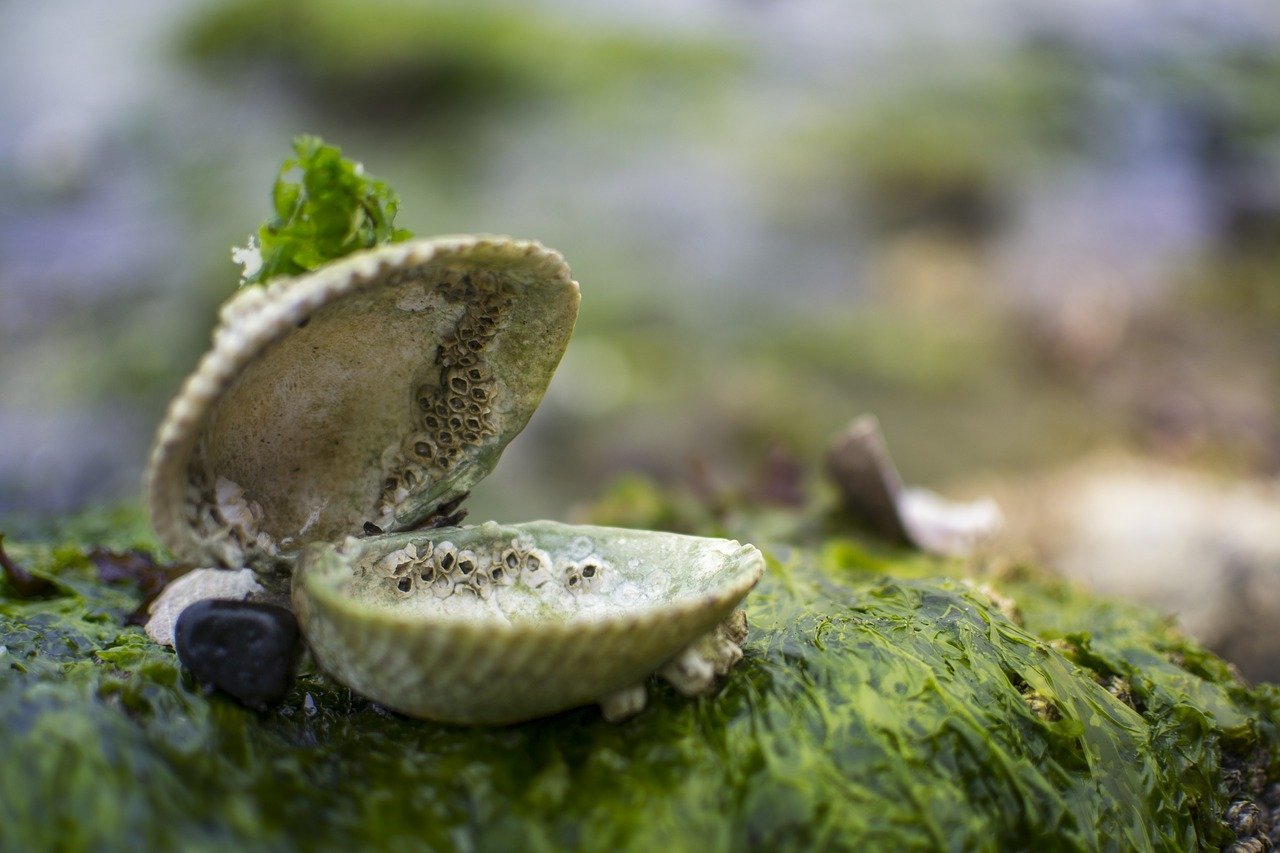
x=443 y=569
x=584 y=575
x=225 y=518
x=453 y=408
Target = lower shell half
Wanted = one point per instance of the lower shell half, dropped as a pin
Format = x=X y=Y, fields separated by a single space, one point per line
x=497 y=623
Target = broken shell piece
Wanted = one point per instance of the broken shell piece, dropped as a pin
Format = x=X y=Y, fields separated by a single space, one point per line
x=872 y=491
x=527 y=651
x=947 y=527
x=695 y=669
x=196 y=585
x=324 y=408
x=623 y=704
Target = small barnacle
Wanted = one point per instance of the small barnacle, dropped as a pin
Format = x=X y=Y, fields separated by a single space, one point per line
x=573 y=578
x=412 y=475
x=427 y=574
x=536 y=568
x=395 y=566
x=481 y=583
x=467 y=563
x=500 y=572
x=458 y=383
x=471 y=436
x=475 y=408
x=445 y=557
x=457 y=286
x=404 y=584
x=442 y=585
x=512 y=559
x=457 y=403
x=589 y=572
x=1042 y=707
x=456 y=423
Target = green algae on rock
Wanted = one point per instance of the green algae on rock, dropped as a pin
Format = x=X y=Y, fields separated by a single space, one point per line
x=880 y=703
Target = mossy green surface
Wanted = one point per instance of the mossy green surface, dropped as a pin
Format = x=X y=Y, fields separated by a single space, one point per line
x=884 y=703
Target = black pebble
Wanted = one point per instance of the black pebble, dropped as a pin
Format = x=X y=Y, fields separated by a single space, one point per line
x=244 y=648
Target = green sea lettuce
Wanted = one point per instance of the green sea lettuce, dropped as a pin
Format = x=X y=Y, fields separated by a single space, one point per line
x=885 y=701
x=326 y=207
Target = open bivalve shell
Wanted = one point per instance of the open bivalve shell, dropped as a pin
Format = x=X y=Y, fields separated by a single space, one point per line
x=332 y=430
x=502 y=623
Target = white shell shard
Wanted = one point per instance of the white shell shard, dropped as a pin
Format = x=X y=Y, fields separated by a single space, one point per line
x=694 y=671
x=523 y=651
x=196 y=585
x=946 y=527
x=872 y=491
x=359 y=398
x=623 y=704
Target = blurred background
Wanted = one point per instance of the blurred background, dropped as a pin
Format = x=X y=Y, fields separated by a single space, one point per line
x=1041 y=241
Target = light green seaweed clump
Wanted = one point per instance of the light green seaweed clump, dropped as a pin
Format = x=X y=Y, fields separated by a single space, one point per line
x=326 y=207
x=883 y=703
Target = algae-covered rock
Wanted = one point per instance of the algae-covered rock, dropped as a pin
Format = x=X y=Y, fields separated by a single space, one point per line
x=884 y=700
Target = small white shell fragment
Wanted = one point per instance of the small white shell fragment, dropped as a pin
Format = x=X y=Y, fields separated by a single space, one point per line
x=196 y=585
x=623 y=704
x=871 y=489
x=694 y=670
x=946 y=527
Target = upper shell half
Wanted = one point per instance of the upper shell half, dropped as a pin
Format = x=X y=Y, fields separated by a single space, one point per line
x=362 y=397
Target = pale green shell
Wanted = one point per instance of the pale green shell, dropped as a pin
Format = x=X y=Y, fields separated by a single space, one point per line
x=371 y=392
x=574 y=614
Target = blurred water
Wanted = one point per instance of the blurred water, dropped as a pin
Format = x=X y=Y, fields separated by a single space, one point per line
x=125 y=173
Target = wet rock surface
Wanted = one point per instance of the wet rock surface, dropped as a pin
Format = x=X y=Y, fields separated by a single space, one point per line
x=246 y=649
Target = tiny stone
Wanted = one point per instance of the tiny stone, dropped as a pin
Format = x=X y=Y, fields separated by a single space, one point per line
x=246 y=649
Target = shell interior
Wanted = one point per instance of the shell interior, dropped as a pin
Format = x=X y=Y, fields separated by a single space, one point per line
x=360 y=398
x=500 y=623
